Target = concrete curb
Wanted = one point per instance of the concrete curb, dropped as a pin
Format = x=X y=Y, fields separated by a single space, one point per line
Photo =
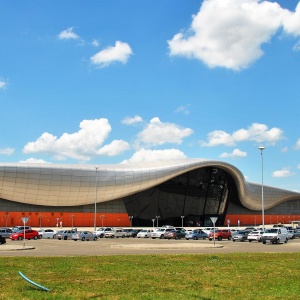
x=15 y=247
x=166 y=246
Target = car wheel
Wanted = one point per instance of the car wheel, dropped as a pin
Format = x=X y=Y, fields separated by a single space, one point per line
x=41 y=236
x=176 y=238
x=35 y=238
x=54 y=236
x=101 y=236
x=195 y=238
x=250 y=241
x=123 y=236
x=83 y=238
x=229 y=238
x=233 y=240
x=162 y=236
x=95 y=238
x=219 y=238
x=65 y=238
x=278 y=241
x=153 y=238
x=204 y=238
x=264 y=242
x=286 y=240
x=112 y=236
x=20 y=238
x=75 y=240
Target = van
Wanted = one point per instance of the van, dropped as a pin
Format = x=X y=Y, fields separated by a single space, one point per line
x=275 y=235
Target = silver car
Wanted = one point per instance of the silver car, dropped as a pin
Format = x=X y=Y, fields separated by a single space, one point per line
x=84 y=236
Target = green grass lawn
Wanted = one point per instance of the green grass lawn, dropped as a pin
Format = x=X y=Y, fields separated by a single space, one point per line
x=224 y=276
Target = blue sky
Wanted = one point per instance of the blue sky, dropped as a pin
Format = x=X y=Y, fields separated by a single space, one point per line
x=120 y=81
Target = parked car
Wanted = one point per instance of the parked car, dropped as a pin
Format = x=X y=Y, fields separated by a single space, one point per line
x=196 y=235
x=174 y=234
x=240 y=235
x=208 y=230
x=145 y=233
x=47 y=233
x=255 y=235
x=220 y=235
x=127 y=231
x=102 y=230
x=84 y=236
x=115 y=233
x=134 y=232
x=2 y=240
x=5 y=232
x=275 y=235
x=160 y=232
x=21 y=227
x=297 y=233
x=291 y=234
x=29 y=234
x=65 y=234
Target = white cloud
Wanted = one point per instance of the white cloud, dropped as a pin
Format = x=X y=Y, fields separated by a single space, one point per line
x=229 y=33
x=292 y=23
x=154 y=155
x=2 y=84
x=297 y=46
x=284 y=149
x=158 y=133
x=183 y=109
x=285 y=172
x=256 y=132
x=236 y=153
x=95 y=43
x=114 y=148
x=68 y=34
x=298 y=167
x=118 y=53
x=298 y=145
x=81 y=145
x=7 y=151
x=34 y=161
x=133 y=120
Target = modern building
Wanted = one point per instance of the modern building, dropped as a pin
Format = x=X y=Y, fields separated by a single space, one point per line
x=173 y=192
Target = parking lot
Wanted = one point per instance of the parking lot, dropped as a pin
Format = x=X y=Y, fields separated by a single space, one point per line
x=124 y=246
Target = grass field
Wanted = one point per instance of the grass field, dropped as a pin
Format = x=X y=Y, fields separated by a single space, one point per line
x=226 y=276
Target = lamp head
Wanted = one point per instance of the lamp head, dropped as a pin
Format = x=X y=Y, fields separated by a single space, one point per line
x=261 y=148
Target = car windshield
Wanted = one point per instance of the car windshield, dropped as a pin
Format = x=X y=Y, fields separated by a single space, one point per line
x=271 y=231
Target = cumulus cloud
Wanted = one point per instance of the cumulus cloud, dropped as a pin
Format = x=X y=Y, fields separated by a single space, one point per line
x=7 y=151
x=285 y=172
x=230 y=33
x=158 y=133
x=81 y=145
x=154 y=155
x=133 y=120
x=236 y=153
x=292 y=23
x=2 y=84
x=95 y=43
x=118 y=53
x=34 y=161
x=298 y=145
x=256 y=132
x=68 y=34
x=183 y=109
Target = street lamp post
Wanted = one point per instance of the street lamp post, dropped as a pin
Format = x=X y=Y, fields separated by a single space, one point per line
x=182 y=217
x=130 y=217
x=102 y=217
x=95 y=212
x=153 y=220
x=261 y=148
x=157 y=217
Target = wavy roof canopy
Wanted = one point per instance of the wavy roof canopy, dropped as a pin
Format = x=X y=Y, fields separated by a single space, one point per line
x=73 y=185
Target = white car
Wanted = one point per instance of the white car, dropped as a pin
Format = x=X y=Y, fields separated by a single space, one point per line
x=100 y=232
x=160 y=233
x=255 y=235
x=145 y=233
x=47 y=233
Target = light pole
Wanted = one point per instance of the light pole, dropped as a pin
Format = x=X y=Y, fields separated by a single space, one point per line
x=157 y=217
x=261 y=148
x=153 y=220
x=182 y=217
x=102 y=217
x=96 y=188
x=130 y=217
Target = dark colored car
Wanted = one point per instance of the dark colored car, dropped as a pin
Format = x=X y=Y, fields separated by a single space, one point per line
x=175 y=234
x=133 y=233
x=196 y=235
x=2 y=240
x=29 y=234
